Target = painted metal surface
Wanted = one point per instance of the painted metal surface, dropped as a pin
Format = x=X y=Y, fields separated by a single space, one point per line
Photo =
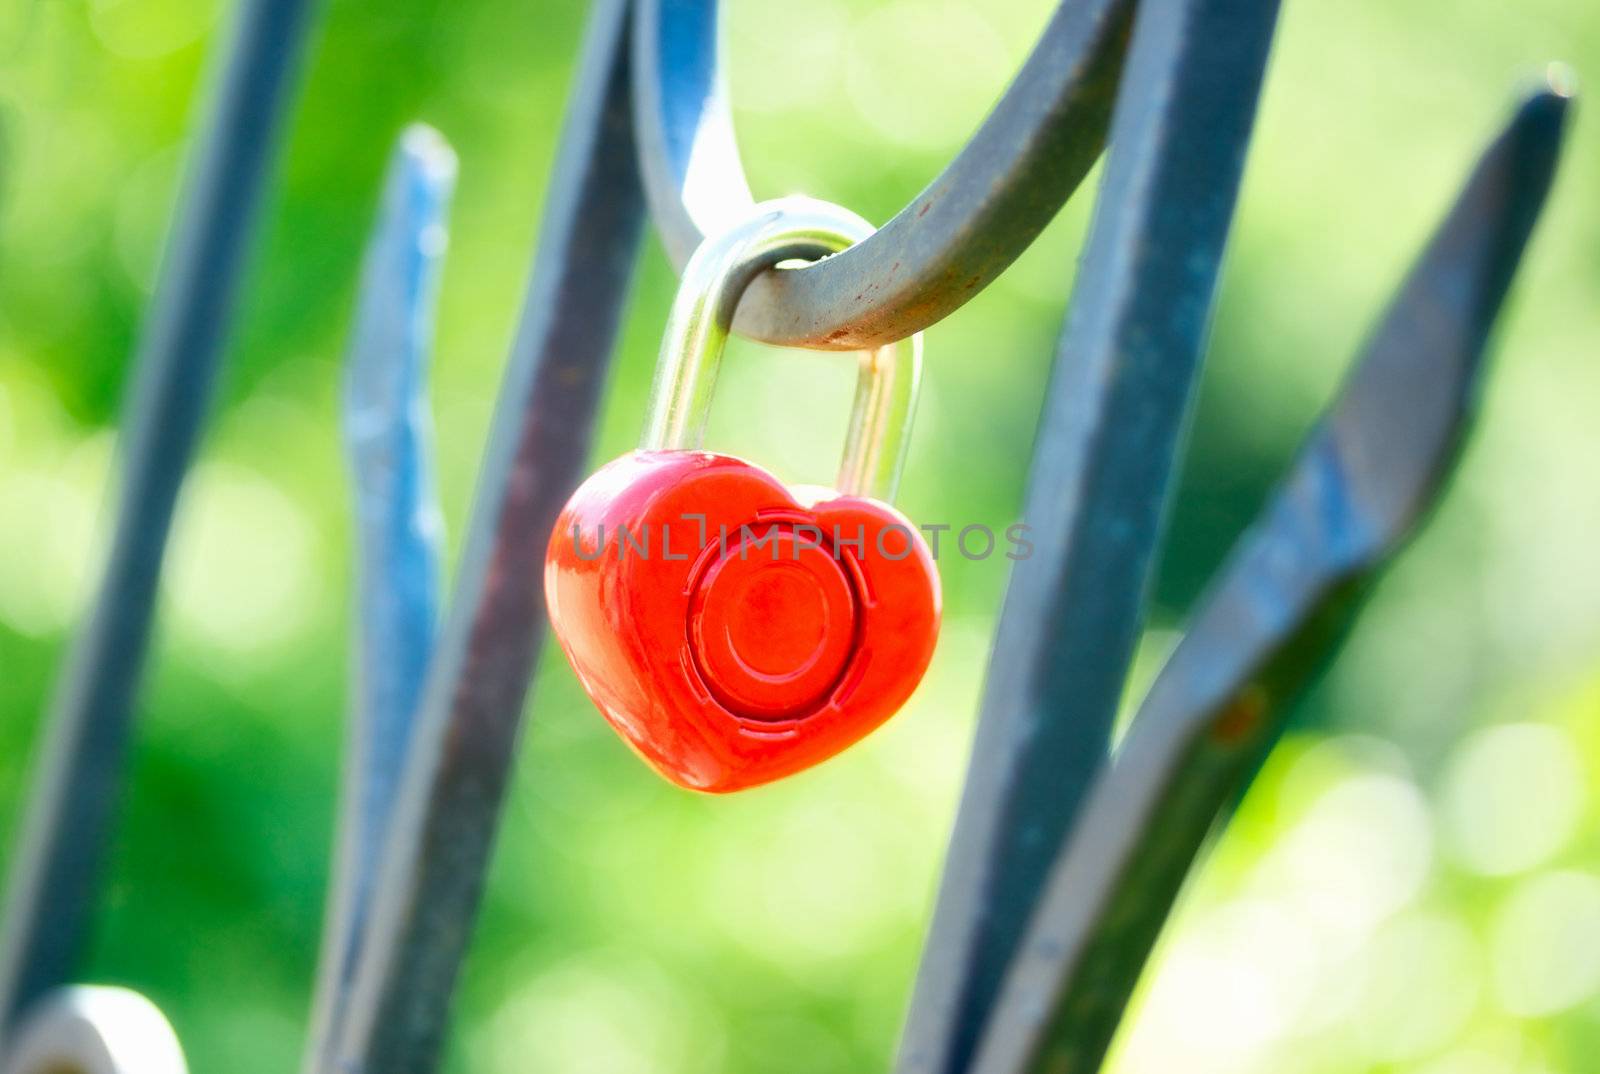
x=962 y=231
x=781 y=631
x=1366 y=476
x=432 y=870
x=733 y=630
x=53 y=875
x=1103 y=462
x=389 y=438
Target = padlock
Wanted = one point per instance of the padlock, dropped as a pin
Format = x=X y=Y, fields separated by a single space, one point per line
x=734 y=630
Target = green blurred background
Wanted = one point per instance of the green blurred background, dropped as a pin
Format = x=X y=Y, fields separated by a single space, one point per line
x=1412 y=885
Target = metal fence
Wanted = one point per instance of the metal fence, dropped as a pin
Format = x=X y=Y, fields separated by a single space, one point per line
x=1067 y=855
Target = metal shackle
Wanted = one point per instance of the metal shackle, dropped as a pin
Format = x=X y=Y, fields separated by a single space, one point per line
x=697 y=332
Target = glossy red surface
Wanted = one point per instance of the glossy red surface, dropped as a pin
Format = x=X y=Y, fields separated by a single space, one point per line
x=732 y=632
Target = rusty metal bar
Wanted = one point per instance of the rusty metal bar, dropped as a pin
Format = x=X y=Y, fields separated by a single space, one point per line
x=434 y=862
x=389 y=435
x=53 y=874
x=1275 y=614
x=1104 y=458
x=961 y=232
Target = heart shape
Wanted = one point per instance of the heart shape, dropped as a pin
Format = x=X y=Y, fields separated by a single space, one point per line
x=732 y=632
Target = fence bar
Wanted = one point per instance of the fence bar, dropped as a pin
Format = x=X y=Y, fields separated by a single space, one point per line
x=53 y=873
x=389 y=437
x=961 y=232
x=466 y=736
x=1369 y=471
x=1106 y=450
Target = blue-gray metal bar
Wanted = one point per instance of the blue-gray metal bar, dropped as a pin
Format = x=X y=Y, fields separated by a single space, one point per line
x=52 y=878
x=441 y=835
x=389 y=437
x=1274 y=616
x=961 y=232
x=1106 y=451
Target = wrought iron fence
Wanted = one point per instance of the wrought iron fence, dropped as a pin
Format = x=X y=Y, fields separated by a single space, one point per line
x=1067 y=855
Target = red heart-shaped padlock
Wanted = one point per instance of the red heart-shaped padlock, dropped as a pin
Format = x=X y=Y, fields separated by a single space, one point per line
x=730 y=632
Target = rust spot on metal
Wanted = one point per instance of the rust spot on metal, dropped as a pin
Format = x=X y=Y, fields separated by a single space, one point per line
x=1242 y=718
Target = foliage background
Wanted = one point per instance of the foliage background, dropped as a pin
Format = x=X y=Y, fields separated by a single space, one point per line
x=1412 y=885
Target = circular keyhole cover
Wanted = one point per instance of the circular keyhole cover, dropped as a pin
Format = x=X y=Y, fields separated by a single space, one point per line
x=772 y=624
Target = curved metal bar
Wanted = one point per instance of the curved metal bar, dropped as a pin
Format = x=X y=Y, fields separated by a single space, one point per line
x=1103 y=462
x=52 y=875
x=961 y=232
x=389 y=437
x=437 y=851
x=697 y=333
x=1275 y=614
x=94 y=1029
x=688 y=156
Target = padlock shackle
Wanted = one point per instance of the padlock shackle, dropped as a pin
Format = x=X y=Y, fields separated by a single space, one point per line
x=697 y=333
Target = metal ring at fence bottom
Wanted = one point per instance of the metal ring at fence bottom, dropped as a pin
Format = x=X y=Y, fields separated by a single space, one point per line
x=94 y=1029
